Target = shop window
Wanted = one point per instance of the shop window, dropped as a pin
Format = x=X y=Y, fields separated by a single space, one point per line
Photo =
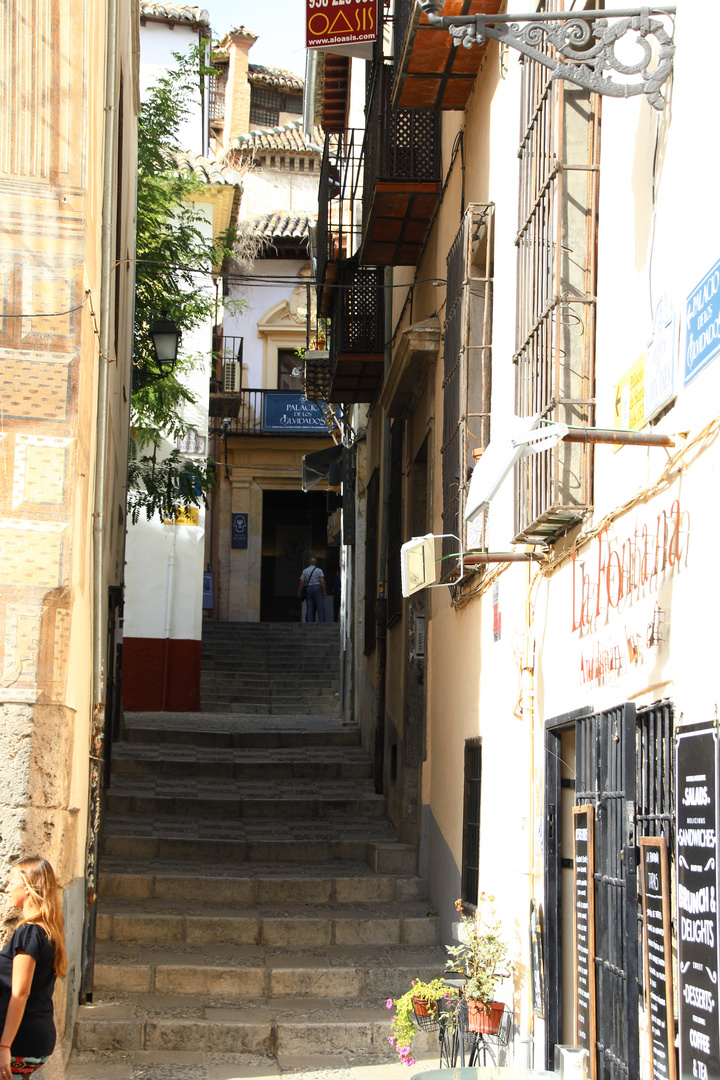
x=371 y=560
x=395 y=517
x=467 y=358
x=556 y=287
x=471 y=822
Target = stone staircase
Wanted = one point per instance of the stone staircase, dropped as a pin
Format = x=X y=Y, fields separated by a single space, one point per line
x=270 y=668
x=255 y=902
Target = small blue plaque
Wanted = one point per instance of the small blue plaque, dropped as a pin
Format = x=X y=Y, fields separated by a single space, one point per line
x=702 y=323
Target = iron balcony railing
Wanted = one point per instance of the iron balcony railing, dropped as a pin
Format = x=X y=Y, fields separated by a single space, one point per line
x=400 y=144
x=403 y=12
x=268 y=412
x=339 y=224
x=357 y=325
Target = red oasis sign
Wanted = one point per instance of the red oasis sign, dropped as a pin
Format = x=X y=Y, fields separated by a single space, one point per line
x=626 y=566
x=332 y=23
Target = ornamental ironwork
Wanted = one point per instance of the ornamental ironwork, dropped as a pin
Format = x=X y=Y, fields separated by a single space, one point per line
x=583 y=44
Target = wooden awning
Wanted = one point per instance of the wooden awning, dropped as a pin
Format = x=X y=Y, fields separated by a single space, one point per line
x=433 y=73
x=398 y=221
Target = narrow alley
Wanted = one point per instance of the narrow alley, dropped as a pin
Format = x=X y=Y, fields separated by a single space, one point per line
x=256 y=908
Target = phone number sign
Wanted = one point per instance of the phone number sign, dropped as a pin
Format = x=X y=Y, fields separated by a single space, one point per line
x=332 y=23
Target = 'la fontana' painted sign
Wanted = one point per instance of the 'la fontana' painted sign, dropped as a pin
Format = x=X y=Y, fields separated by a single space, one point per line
x=624 y=568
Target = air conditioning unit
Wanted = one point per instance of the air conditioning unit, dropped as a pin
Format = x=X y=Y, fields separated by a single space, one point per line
x=232 y=377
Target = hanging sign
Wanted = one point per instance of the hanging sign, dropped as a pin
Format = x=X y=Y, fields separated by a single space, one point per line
x=584 y=927
x=696 y=859
x=333 y=23
x=291 y=412
x=657 y=954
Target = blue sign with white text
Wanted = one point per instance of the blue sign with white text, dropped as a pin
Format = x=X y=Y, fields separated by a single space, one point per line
x=702 y=324
x=290 y=412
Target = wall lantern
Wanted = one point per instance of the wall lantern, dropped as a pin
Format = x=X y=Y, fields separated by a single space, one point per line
x=583 y=44
x=166 y=339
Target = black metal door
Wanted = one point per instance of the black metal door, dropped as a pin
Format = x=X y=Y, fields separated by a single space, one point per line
x=606 y=778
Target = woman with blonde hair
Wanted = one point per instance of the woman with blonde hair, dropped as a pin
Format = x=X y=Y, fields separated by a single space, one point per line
x=29 y=965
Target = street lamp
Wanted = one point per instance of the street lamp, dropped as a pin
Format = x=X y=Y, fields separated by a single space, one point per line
x=166 y=338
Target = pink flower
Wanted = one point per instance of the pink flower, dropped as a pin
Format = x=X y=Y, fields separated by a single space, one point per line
x=391 y=1040
x=410 y=1061
x=404 y=1051
x=389 y=1003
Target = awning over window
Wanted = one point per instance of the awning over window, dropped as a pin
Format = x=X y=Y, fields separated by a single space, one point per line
x=316 y=466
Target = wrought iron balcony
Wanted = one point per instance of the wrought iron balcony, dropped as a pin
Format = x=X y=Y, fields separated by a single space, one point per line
x=431 y=72
x=402 y=176
x=357 y=332
x=270 y=412
x=339 y=225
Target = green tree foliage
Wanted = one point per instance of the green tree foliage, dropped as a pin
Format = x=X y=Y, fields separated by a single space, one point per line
x=173 y=275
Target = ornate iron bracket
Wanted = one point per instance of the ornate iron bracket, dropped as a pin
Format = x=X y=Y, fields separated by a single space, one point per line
x=584 y=42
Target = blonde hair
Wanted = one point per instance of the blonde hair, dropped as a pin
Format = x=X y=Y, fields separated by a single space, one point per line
x=43 y=906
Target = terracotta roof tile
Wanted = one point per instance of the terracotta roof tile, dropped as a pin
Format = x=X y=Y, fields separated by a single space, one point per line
x=286 y=137
x=151 y=9
x=276 y=77
x=281 y=225
x=208 y=171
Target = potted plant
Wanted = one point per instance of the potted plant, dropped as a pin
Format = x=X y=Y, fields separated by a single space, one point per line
x=481 y=957
x=421 y=1001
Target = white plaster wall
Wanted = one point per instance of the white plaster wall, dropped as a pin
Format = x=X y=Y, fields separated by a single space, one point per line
x=260 y=299
x=158 y=42
x=165 y=563
x=274 y=190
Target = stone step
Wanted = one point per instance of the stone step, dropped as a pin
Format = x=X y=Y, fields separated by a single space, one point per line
x=370 y=972
x=224 y=707
x=240 y=729
x=381 y=853
x=232 y=805
x=290 y=927
x=284 y=1027
x=166 y=760
x=256 y=883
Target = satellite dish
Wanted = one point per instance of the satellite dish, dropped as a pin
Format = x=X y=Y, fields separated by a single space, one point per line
x=417 y=564
x=521 y=437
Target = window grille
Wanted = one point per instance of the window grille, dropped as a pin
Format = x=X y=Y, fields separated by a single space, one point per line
x=217 y=86
x=395 y=516
x=265 y=106
x=471 y=822
x=467 y=351
x=556 y=288
x=371 y=560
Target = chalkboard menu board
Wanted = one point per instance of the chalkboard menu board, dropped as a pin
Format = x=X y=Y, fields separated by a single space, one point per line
x=584 y=864
x=696 y=858
x=657 y=953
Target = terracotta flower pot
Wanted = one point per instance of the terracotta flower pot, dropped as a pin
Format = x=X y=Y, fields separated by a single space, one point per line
x=424 y=1008
x=488 y=1022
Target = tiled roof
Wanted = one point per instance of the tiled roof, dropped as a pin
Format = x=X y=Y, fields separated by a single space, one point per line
x=210 y=172
x=276 y=77
x=150 y=9
x=286 y=137
x=282 y=225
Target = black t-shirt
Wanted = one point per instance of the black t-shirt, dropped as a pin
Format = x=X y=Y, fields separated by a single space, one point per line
x=36 y=1034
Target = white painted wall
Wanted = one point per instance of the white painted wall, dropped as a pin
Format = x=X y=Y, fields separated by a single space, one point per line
x=261 y=299
x=274 y=190
x=158 y=42
x=165 y=563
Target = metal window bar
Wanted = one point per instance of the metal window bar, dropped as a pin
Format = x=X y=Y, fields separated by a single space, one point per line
x=467 y=365
x=340 y=192
x=556 y=287
x=371 y=561
x=395 y=521
x=471 y=822
x=606 y=778
x=656 y=793
x=217 y=84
